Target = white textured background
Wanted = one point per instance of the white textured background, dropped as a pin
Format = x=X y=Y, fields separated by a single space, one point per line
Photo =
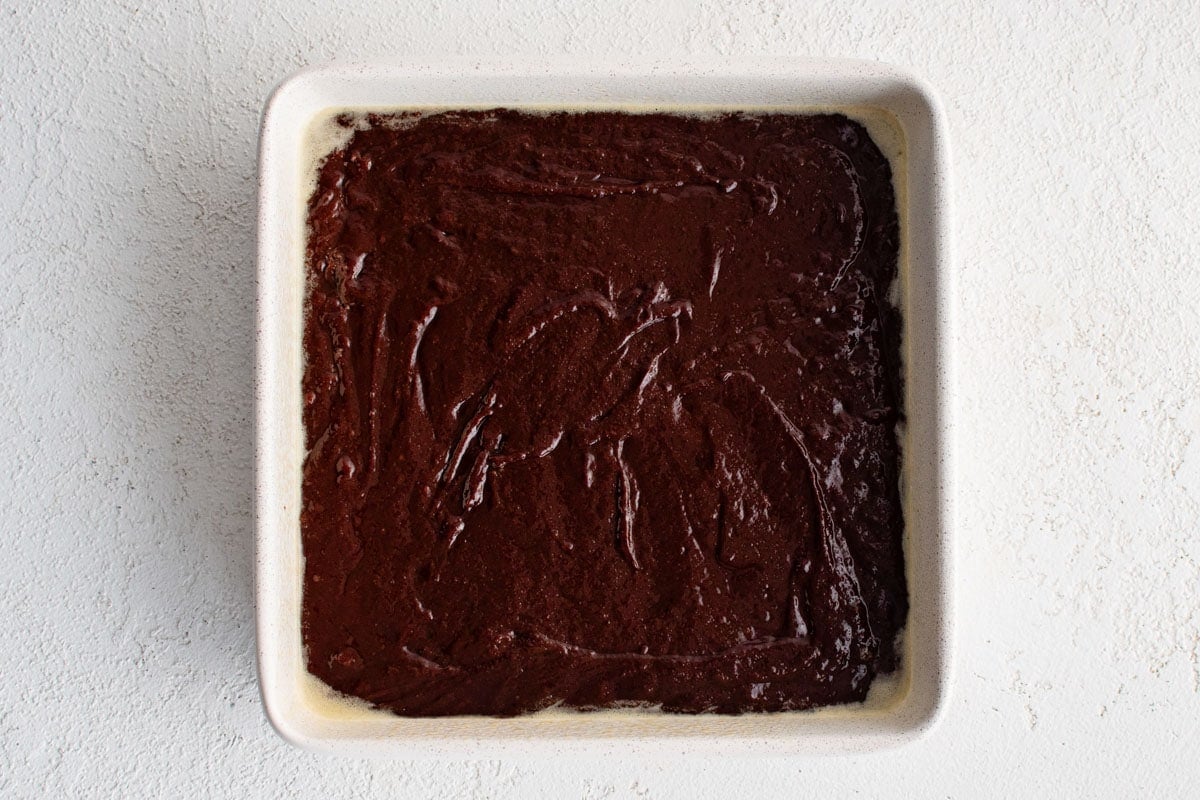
x=127 y=181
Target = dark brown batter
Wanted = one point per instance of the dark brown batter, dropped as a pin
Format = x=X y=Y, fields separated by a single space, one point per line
x=601 y=411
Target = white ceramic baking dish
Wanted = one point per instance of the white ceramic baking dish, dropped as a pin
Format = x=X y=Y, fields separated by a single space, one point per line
x=903 y=116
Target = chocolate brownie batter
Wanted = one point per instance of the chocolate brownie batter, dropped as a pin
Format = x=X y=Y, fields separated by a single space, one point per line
x=601 y=410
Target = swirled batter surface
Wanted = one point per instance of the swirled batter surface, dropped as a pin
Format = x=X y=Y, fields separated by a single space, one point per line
x=601 y=410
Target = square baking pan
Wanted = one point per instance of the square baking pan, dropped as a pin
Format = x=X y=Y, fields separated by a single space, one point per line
x=905 y=119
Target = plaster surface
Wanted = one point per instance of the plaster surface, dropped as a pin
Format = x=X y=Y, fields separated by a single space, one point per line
x=127 y=154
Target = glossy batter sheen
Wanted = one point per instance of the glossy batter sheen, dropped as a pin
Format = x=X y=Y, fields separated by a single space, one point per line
x=602 y=411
